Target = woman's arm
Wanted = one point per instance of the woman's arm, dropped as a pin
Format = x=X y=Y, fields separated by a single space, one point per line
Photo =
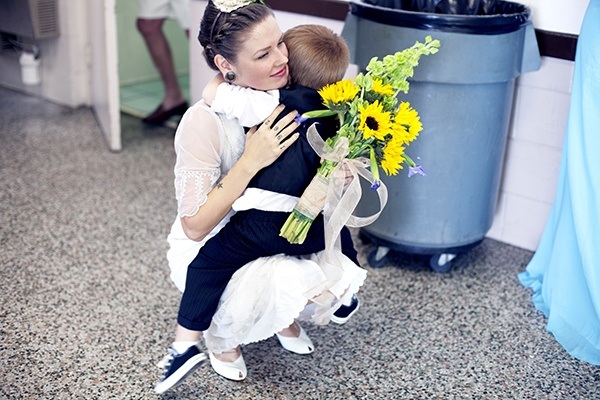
x=263 y=146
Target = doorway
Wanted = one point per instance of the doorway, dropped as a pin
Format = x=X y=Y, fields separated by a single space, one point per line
x=140 y=87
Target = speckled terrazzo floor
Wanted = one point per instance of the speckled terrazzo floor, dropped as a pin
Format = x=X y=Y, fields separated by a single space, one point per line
x=88 y=309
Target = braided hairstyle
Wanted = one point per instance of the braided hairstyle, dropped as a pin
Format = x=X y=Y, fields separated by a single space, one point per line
x=222 y=33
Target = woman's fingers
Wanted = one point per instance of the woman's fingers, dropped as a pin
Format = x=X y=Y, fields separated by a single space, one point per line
x=271 y=118
x=281 y=130
x=279 y=126
x=287 y=135
x=287 y=142
x=267 y=142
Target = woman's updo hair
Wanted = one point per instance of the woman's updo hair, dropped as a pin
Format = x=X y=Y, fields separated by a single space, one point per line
x=222 y=33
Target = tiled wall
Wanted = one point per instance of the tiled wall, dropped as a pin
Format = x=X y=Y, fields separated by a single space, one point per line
x=534 y=147
x=533 y=154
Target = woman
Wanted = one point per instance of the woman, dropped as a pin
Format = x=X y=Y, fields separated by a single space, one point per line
x=240 y=38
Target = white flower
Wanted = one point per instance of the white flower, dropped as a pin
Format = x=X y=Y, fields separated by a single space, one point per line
x=231 y=5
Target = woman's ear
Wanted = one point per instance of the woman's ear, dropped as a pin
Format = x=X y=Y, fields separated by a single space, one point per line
x=222 y=63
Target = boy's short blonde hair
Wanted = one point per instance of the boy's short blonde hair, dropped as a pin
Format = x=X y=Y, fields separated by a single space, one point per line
x=317 y=56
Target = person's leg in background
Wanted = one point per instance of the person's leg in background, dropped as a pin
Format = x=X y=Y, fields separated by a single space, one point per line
x=151 y=18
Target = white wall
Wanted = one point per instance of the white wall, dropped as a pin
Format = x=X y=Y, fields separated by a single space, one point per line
x=557 y=15
x=538 y=124
x=64 y=69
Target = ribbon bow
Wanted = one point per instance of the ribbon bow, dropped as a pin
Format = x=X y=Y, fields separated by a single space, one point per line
x=339 y=206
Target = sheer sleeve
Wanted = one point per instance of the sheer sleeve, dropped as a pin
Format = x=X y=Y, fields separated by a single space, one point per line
x=198 y=165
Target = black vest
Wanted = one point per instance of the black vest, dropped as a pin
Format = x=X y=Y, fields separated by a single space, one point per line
x=294 y=169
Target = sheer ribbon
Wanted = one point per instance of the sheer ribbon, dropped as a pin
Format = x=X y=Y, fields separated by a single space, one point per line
x=338 y=209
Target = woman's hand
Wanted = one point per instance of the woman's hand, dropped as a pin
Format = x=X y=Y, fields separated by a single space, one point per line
x=265 y=144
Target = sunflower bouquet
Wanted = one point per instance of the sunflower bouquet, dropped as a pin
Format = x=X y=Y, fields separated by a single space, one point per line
x=374 y=126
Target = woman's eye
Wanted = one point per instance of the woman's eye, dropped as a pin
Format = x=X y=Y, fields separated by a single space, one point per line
x=263 y=56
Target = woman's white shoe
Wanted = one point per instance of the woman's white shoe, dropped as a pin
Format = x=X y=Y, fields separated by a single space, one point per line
x=235 y=370
x=299 y=345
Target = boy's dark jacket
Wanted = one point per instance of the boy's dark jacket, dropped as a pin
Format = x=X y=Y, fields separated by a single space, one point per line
x=294 y=169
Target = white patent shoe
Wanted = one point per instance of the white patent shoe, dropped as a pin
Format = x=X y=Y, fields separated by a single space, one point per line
x=299 y=345
x=234 y=370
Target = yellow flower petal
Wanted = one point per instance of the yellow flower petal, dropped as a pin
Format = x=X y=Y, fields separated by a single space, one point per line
x=393 y=157
x=380 y=88
x=339 y=92
x=407 y=123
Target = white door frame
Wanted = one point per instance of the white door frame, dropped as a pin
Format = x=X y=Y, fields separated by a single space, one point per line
x=104 y=70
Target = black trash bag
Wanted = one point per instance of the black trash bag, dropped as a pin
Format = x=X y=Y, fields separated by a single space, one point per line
x=451 y=7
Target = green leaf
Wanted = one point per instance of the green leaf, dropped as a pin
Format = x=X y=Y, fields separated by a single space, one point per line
x=319 y=113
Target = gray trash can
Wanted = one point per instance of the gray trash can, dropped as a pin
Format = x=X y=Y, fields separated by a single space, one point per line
x=464 y=95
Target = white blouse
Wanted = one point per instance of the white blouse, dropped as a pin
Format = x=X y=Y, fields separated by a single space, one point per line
x=204 y=154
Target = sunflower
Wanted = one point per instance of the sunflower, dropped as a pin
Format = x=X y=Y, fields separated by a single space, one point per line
x=393 y=156
x=374 y=121
x=382 y=89
x=400 y=132
x=407 y=119
x=339 y=92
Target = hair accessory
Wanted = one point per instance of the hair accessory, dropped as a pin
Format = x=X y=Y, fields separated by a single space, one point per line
x=230 y=76
x=231 y=5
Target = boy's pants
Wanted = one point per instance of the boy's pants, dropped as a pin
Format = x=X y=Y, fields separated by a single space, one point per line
x=247 y=236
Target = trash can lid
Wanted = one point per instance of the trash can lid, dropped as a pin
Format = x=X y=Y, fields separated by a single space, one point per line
x=502 y=17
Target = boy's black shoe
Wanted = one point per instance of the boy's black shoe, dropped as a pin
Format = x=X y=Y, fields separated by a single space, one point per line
x=343 y=314
x=178 y=366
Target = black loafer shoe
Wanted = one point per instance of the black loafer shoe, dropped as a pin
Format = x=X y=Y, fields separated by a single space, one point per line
x=159 y=116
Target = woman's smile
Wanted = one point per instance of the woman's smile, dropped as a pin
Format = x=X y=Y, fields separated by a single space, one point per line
x=281 y=73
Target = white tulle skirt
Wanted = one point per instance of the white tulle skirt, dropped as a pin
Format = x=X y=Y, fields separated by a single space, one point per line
x=267 y=295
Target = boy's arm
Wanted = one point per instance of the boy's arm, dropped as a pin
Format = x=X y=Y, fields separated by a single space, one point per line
x=210 y=90
x=249 y=106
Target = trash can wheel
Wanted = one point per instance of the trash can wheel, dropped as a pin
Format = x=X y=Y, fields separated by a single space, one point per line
x=378 y=257
x=441 y=262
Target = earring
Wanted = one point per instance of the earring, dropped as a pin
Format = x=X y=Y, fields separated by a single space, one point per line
x=230 y=76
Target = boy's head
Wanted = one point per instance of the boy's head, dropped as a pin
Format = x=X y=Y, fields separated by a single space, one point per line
x=317 y=56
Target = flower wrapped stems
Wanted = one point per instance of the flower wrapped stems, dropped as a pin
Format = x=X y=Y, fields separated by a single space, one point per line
x=374 y=125
x=309 y=206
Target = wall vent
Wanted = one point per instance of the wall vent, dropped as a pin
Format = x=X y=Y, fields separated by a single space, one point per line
x=37 y=19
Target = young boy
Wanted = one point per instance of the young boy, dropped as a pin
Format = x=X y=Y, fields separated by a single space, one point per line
x=317 y=57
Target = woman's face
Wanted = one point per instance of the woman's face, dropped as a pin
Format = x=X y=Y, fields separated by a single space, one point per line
x=262 y=60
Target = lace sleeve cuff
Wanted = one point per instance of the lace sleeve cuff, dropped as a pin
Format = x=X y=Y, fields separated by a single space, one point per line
x=192 y=187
